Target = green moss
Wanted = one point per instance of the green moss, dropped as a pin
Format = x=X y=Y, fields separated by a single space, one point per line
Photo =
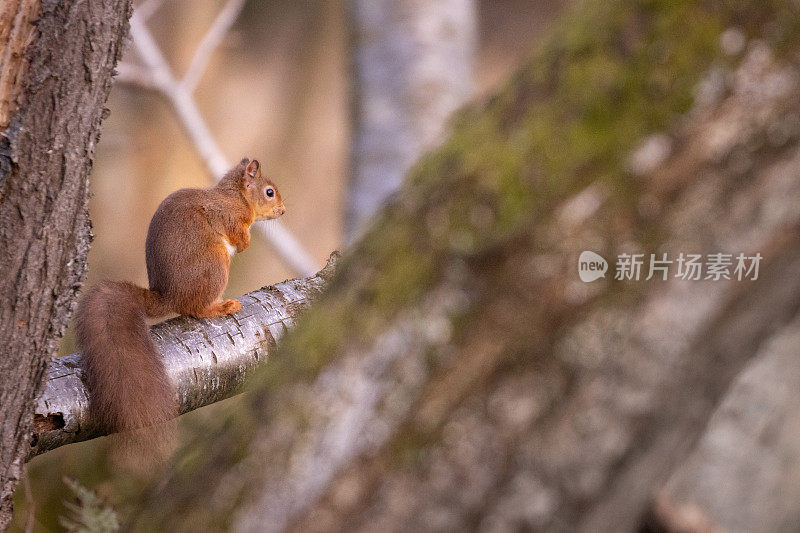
x=634 y=77
x=610 y=73
x=403 y=279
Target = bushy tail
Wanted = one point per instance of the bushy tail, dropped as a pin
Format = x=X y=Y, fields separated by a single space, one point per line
x=128 y=384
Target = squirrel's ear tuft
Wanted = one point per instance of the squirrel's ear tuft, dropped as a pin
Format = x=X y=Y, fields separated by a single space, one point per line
x=244 y=161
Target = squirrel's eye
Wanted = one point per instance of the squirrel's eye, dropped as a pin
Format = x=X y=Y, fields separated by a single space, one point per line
x=270 y=192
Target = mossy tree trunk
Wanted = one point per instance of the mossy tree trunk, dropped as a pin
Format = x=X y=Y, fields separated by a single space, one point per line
x=458 y=374
x=56 y=64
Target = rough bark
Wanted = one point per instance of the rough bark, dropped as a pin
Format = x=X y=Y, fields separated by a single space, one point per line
x=457 y=374
x=412 y=67
x=207 y=360
x=55 y=73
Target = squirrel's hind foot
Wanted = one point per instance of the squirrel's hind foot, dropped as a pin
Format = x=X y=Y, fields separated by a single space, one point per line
x=225 y=307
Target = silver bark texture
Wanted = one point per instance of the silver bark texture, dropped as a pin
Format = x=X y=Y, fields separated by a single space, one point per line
x=207 y=360
x=412 y=67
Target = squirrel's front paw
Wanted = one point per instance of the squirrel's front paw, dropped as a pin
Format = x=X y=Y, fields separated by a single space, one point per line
x=228 y=307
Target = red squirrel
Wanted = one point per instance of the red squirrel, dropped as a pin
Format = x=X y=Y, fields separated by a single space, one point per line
x=190 y=241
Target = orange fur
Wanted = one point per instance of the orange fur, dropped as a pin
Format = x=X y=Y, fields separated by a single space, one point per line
x=187 y=266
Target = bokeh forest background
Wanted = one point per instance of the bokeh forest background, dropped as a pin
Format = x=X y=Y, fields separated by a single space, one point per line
x=276 y=89
x=455 y=373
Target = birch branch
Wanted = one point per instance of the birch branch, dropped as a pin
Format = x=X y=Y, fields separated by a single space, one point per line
x=207 y=360
x=148 y=7
x=210 y=42
x=156 y=74
x=135 y=75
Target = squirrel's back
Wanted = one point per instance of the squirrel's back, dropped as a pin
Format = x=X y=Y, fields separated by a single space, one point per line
x=186 y=262
x=175 y=238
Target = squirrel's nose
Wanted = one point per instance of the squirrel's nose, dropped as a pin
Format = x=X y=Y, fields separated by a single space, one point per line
x=279 y=210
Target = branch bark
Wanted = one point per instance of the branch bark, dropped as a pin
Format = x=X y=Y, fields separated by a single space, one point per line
x=207 y=360
x=55 y=74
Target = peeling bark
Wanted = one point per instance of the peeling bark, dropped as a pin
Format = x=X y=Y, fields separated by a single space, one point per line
x=55 y=73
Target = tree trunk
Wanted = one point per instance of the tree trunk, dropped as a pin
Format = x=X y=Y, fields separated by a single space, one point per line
x=412 y=67
x=55 y=74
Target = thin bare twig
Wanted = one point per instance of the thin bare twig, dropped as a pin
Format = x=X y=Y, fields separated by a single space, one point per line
x=148 y=7
x=179 y=97
x=210 y=42
x=158 y=75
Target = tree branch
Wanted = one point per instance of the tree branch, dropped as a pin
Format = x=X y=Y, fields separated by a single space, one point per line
x=211 y=40
x=135 y=75
x=146 y=9
x=207 y=360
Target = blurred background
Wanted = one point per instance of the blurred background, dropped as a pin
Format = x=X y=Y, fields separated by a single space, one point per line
x=277 y=88
x=458 y=374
